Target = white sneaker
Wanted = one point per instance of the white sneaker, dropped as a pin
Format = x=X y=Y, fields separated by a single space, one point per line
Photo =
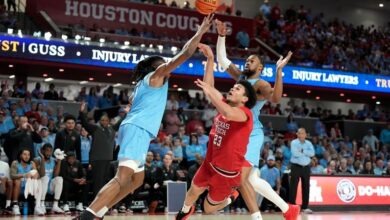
x=238 y=210
x=57 y=209
x=15 y=210
x=80 y=207
x=43 y=207
x=243 y=210
x=66 y=208
x=38 y=211
x=307 y=211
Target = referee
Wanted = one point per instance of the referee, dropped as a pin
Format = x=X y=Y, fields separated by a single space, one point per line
x=301 y=151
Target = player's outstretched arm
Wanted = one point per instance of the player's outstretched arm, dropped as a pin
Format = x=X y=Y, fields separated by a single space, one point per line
x=189 y=48
x=273 y=95
x=278 y=87
x=229 y=112
x=208 y=76
x=222 y=59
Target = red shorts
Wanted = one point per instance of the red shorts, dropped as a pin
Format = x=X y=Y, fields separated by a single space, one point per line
x=220 y=186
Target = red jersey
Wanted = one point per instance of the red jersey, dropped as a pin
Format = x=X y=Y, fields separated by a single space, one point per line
x=228 y=142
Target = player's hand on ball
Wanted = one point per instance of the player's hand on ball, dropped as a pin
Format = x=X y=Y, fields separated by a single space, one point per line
x=206 y=24
x=221 y=27
x=283 y=61
x=206 y=50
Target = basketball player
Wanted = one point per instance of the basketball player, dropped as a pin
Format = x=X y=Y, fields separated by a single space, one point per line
x=142 y=124
x=220 y=172
x=253 y=68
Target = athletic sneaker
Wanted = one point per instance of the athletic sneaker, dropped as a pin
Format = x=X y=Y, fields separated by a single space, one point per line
x=38 y=211
x=15 y=210
x=184 y=216
x=85 y=215
x=66 y=208
x=307 y=211
x=292 y=212
x=43 y=207
x=80 y=207
x=7 y=210
x=57 y=210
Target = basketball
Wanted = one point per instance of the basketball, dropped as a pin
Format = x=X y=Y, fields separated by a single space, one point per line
x=206 y=6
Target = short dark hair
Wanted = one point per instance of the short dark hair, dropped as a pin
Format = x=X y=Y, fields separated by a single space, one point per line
x=69 y=117
x=259 y=57
x=47 y=145
x=145 y=67
x=249 y=92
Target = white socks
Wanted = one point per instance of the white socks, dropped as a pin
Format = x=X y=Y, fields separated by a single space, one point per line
x=185 y=208
x=91 y=211
x=7 y=203
x=256 y=216
x=55 y=203
x=261 y=186
x=102 y=212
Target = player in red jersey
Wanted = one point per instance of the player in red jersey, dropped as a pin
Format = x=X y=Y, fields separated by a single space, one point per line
x=220 y=172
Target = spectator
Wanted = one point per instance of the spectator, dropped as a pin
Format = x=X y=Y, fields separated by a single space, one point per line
x=192 y=169
x=387 y=171
x=149 y=182
x=202 y=138
x=242 y=38
x=173 y=4
x=177 y=150
x=85 y=146
x=193 y=149
x=6 y=185
x=385 y=135
x=22 y=169
x=371 y=140
x=61 y=96
x=379 y=167
x=301 y=151
x=25 y=136
x=208 y=116
x=292 y=126
x=102 y=147
x=271 y=174
x=163 y=175
x=51 y=94
x=265 y=9
x=331 y=168
x=320 y=129
x=172 y=103
x=172 y=122
x=357 y=168
x=315 y=167
x=368 y=169
x=36 y=90
x=166 y=146
x=193 y=123
x=343 y=168
x=82 y=96
x=185 y=139
x=92 y=98
x=44 y=134
x=68 y=139
x=51 y=181
x=75 y=182
x=182 y=116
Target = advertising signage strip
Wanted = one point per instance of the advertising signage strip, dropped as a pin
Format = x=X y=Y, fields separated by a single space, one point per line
x=164 y=21
x=347 y=190
x=126 y=58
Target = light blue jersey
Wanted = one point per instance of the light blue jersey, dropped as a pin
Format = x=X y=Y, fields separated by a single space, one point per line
x=142 y=123
x=49 y=167
x=23 y=170
x=148 y=106
x=256 y=137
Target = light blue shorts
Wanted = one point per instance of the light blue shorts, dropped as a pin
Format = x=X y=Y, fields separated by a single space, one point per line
x=254 y=148
x=134 y=143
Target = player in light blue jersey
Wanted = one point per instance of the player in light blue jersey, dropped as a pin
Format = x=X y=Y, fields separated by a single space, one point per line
x=141 y=124
x=51 y=181
x=253 y=68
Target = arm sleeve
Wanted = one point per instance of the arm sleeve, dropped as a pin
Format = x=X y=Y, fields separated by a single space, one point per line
x=222 y=59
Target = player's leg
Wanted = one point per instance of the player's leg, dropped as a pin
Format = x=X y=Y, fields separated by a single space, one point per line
x=56 y=186
x=188 y=207
x=120 y=183
x=45 y=184
x=137 y=181
x=248 y=194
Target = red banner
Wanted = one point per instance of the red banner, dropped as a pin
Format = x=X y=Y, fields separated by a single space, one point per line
x=163 y=21
x=333 y=190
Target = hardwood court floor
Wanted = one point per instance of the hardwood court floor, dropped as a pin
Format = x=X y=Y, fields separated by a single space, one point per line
x=277 y=216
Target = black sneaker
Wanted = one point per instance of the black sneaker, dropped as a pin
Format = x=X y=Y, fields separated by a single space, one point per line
x=184 y=216
x=85 y=215
x=7 y=211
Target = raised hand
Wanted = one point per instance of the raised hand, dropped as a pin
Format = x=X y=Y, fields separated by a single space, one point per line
x=206 y=24
x=203 y=85
x=221 y=27
x=283 y=62
x=206 y=50
x=82 y=106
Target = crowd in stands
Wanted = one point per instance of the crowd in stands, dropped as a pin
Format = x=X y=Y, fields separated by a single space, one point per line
x=315 y=41
x=31 y=133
